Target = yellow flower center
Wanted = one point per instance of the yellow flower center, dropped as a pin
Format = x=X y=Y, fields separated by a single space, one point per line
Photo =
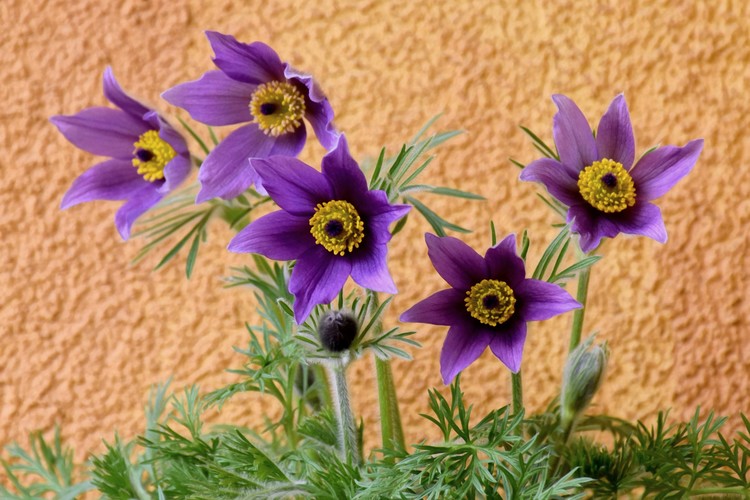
x=151 y=154
x=336 y=225
x=607 y=186
x=491 y=302
x=277 y=108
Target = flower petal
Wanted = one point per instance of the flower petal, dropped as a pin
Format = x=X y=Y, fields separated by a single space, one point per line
x=540 y=300
x=507 y=344
x=294 y=186
x=370 y=268
x=555 y=177
x=573 y=136
x=458 y=264
x=658 y=171
x=591 y=225
x=213 y=99
x=317 y=278
x=136 y=206
x=101 y=131
x=318 y=110
x=254 y=63
x=278 y=236
x=110 y=180
x=226 y=172
x=643 y=219
x=175 y=172
x=614 y=137
x=380 y=215
x=114 y=94
x=347 y=180
x=445 y=307
x=504 y=263
x=463 y=345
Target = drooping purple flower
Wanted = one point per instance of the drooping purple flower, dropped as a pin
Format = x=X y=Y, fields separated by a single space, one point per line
x=330 y=222
x=594 y=178
x=148 y=158
x=489 y=303
x=253 y=86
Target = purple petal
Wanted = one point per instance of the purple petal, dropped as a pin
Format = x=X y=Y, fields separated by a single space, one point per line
x=136 y=206
x=226 y=172
x=504 y=264
x=540 y=300
x=168 y=134
x=463 y=345
x=573 y=136
x=213 y=99
x=643 y=219
x=370 y=269
x=380 y=215
x=445 y=307
x=591 y=225
x=507 y=344
x=254 y=63
x=114 y=94
x=101 y=131
x=109 y=180
x=555 y=177
x=459 y=265
x=318 y=110
x=614 y=137
x=278 y=236
x=659 y=170
x=175 y=172
x=294 y=186
x=317 y=278
x=347 y=180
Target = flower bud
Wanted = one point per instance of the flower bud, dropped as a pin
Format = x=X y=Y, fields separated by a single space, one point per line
x=582 y=376
x=337 y=330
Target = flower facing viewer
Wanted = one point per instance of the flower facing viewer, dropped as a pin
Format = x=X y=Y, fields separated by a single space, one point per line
x=148 y=158
x=489 y=303
x=330 y=222
x=594 y=178
x=251 y=86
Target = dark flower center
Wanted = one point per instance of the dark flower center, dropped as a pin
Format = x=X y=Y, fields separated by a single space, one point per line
x=491 y=302
x=334 y=227
x=268 y=108
x=151 y=154
x=144 y=155
x=337 y=226
x=609 y=179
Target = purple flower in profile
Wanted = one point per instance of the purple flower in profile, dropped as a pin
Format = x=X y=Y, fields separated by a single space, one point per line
x=330 y=222
x=488 y=304
x=251 y=85
x=594 y=178
x=148 y=158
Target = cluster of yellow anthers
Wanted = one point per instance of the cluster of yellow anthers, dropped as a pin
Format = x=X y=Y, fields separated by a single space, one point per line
x=336 y=226
x=151 y=154
x=491 y=302
x=277 y=108
x=607 y=186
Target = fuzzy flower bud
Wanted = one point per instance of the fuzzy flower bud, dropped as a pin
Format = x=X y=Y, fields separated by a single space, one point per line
x=337 y=330
x=583 y=374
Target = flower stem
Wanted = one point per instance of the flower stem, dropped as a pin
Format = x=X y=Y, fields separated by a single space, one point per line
x=739 y=491
x=581 y=296
x=344 y=415
x=517 y=387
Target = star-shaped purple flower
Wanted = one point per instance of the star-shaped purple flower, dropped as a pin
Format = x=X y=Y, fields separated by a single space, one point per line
x=148 y=158
x=251 y=85
x=595 y=180
x=489 y=304
x=330 y=222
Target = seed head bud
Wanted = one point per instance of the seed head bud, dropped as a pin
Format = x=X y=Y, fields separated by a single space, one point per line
x=583 y=374
x=337 y=330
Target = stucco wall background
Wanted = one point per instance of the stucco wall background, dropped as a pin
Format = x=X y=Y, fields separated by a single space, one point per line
x=83 y=334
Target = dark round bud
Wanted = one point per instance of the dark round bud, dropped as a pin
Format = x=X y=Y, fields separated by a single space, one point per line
x=337 y=330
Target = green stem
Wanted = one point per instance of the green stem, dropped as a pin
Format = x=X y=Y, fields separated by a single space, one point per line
x=517 y=386
x=581 y=296
x=344 y=415
x=740 y=491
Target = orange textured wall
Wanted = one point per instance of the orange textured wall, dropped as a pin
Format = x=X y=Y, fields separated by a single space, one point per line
x=83 y=334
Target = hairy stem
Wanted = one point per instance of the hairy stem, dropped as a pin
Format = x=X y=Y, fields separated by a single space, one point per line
x=738 y=491
x=517 y=387
x=581 y=296
x=344 y=415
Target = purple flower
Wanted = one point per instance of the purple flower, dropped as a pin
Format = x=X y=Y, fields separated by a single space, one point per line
x=595 y=180
x=148 y=158
x=252 y=85
x=330 y=222
x=488 y=304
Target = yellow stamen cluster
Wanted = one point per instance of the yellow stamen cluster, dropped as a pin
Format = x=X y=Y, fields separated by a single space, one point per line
x=337 y=226
x=158 y=151
x=277 y=108
x=491 y=302
x=607 y=186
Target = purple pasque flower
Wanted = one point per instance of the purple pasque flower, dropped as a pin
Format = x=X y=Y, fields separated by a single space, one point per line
x=330 y=222
x=148 y=158
x=253 y=86
x=489 y=303
x=594 y=178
